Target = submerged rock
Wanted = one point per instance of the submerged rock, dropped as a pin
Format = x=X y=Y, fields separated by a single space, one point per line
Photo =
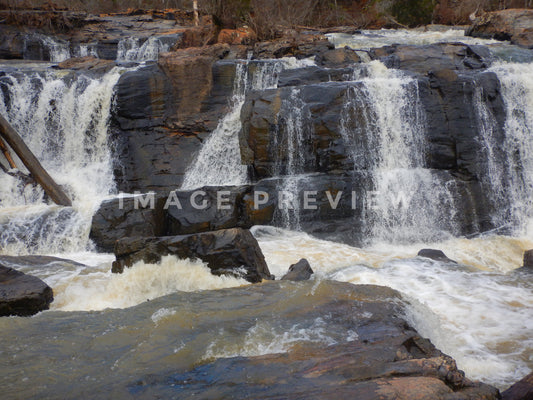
x=301 y=271
x=437 y=255
x=22 y=294
x=352 y=342
x=528 y=259
x=226 y=251
x=521 y=390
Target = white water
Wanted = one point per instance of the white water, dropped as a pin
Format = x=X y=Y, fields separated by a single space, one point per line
x=481 y=317
x=131 y=49
x=64 y=121
x=383 y=125
x=509 y=171
x=219 y=161
x=369 y=39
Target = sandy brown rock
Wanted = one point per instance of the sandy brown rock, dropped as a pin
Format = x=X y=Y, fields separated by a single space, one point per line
x=515 y=25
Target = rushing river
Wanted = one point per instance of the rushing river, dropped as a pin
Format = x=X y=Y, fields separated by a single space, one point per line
x=104 y=328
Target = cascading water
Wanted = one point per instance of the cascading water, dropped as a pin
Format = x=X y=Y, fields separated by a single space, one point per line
x=63 y=118
x=131 y=49
x=383 y=125
x=219 y=161
x=509 y=173
x=290 y=146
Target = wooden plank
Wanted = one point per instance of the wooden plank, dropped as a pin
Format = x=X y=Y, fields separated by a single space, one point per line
x=52 y=189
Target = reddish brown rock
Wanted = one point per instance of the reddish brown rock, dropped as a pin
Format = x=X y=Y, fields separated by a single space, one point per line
x=237 y=36
x=515 y=25
x=86 y=63
x=521 y=390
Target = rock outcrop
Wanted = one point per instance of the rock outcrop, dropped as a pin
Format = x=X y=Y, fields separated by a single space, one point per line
x=21 y=294
x=227 y=251
x=515 y=25
x=383 y=358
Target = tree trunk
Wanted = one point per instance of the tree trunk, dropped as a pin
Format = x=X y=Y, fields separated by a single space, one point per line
x=7 y=155
x=195 y=9
x=52 y=189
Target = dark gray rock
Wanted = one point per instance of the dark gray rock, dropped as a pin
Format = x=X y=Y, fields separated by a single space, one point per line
x=206 y=209
x=384 y=359
x=226 y=251
x=127 y=217
x=528 y=259
x=301 y=271
x=521 y=390
x=22 y=294
x=437 y=255
x=422 y=59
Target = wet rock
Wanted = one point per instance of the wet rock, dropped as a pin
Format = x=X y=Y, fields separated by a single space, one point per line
x=312 y=75
x=338 y=58
x=437 y=255
x=301 y=271
x=88 y=63
x=422 y=59
x=163 y=116
x=528 y=259
x=21 y=294
x=384 y=358
x=227 y=251
x=206 y=209
x=515 y=25
x=127 y=217
x=521 y=390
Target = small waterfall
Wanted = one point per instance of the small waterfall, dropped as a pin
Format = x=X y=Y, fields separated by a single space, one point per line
x=517 y=90
x=59 y=50
x=63 y=118
x=384 y=124
x=290 y=146
x=219 y=161
x=130 y=49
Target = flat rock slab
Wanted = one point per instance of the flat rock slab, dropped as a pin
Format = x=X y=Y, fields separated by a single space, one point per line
x=22 y=294
x=384 y=358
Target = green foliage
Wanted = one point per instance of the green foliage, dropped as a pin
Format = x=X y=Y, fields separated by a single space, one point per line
x=413 y=12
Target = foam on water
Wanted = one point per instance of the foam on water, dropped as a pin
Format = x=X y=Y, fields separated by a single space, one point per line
x=94 y=287
x=368 y=39
x=478 y=316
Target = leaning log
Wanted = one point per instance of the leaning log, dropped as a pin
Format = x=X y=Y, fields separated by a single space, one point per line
x=51 y=188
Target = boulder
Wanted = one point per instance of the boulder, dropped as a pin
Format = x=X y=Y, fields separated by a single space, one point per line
x=127 y=217
x=521 y=390
x=437 y=255
x=515 y=25
x=301 y=271
x=22 y=294
x=299 y=45
x=227 y=251
x=206 y=209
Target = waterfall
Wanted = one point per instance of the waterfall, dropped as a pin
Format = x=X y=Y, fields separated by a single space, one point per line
x=383 y=123
x=219 y=161
x=517 y=91
x=290 y=146
x=130 y=49
x=63 y=118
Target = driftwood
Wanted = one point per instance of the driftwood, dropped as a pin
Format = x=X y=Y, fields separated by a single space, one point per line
x=51 y=188
x=7 y=155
